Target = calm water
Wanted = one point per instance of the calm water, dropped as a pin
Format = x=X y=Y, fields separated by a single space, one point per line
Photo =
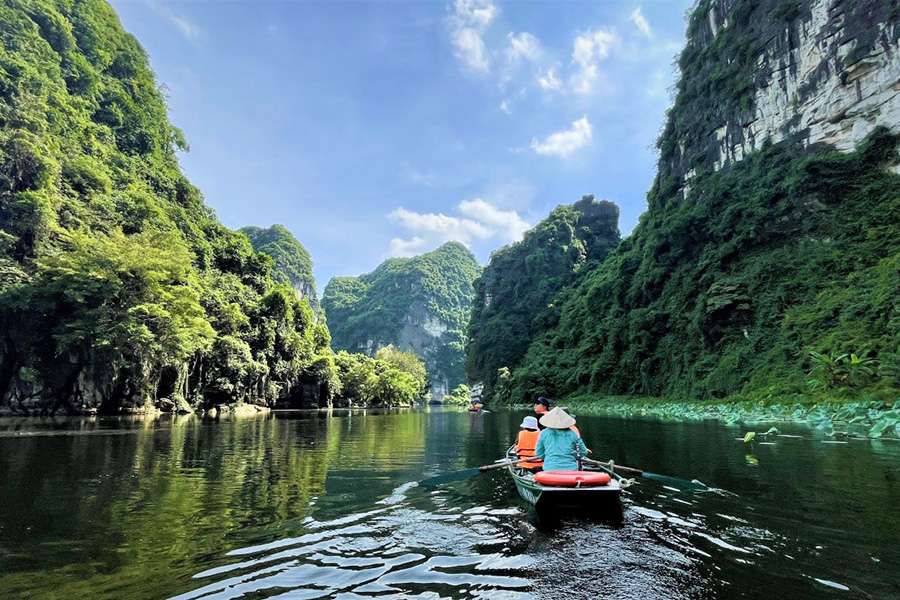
x=303 y=505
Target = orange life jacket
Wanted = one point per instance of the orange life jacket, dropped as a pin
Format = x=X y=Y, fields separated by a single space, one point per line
x=525 y=445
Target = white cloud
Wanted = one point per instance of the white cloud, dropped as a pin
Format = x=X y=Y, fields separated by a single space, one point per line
x=522 y=46
x=588 y=51
x=468 y=21
x=549 y=82
x=564 y=143
x=479 y=220
x=410 y=247
x=641 y=23
x=185 y=26
x=504 y=106
x=507 y=223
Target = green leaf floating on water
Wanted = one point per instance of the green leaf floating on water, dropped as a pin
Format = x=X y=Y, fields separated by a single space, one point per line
x=883 y=426
x=749 y=437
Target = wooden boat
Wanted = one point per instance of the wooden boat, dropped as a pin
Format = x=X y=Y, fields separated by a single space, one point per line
x=546 y=496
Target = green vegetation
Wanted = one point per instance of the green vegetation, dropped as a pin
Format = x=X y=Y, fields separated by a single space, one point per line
x=514 y=297
x=459 y=396
x=774 y=278
x=118 y=286
x=392 y=378
x=419 y=304
x=781 y=254
x=293 y=264
x=873 y=419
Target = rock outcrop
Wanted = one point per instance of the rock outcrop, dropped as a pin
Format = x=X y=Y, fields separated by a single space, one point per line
x=782 y=263
x=817 y=72
x=418 y=304
x=293 y=263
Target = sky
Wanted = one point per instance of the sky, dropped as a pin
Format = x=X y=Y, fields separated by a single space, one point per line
x=379 y=129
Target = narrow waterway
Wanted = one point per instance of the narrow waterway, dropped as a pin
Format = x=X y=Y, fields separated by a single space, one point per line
x=307 y=505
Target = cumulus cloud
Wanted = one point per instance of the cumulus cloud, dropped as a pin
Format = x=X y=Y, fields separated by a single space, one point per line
x=468 y=21
x=506 y=224
x=637 y=17
x=548 y=81
x=411 y=247
x=588 y=51
x=478 y=220
x=522 y=46
x=564 y=143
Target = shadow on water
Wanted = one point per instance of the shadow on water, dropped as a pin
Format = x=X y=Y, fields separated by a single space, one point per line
x=306 y=505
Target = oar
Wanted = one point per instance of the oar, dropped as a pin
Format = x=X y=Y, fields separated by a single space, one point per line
x=467 y=473
x=664 y=479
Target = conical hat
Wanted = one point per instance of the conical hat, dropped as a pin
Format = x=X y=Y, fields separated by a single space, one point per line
x=557 y=419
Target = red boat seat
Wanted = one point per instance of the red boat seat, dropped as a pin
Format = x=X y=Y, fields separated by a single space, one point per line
x=572 y=478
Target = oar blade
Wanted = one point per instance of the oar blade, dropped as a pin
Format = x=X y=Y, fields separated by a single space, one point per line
x=450 y=477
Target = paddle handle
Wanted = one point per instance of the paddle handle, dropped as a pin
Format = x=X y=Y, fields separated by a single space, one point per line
x=612 y=466
x=508 y=463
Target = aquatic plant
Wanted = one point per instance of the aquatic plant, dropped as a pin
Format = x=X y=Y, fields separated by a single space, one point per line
x=840 y=370
x=871 y=418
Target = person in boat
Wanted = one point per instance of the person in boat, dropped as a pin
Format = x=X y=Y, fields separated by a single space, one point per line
x=541 y=407
x=544 y=405
x=527 y=442
x=558 y=445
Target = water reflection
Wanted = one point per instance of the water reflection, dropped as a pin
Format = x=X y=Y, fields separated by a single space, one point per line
x=304 y=505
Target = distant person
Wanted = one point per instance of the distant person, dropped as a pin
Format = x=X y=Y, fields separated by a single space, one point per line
x=527 y=442
x=558 y=445
x=541 y=407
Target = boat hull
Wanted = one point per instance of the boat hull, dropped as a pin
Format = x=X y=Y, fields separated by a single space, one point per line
x=543 y=496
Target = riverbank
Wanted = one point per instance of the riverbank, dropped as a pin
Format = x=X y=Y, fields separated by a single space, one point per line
x=869 y=418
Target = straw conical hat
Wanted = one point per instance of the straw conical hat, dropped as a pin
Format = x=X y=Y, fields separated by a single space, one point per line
x=557 y=419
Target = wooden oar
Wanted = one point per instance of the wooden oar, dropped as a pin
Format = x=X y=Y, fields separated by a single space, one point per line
x=467 y=473
x=664 y=479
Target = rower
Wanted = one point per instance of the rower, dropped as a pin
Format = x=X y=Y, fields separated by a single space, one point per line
x=541 y=407
x=527 y=441
x=558 y=445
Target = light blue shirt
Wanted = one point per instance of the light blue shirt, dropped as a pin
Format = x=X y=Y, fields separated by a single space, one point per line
x=557 y=448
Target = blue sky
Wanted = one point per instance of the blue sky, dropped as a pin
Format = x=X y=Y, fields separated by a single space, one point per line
x=384 y=129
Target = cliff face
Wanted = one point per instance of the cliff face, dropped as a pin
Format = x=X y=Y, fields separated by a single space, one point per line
x=293 y=264
x=418 y=304
x=784 y=259
x=514 y=296
x=821 y=73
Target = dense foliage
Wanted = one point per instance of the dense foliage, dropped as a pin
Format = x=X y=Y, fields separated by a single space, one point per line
x=419 y=304
x=784 y=253
x=459 y=396
x=293 y=264
x=118 y=286
x=514 y=294
x=775 y=276
x=392 y=378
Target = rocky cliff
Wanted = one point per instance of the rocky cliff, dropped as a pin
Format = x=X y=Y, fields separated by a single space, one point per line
x=515 y=294
x=821 y=73
x=293 y=264
x=778 y=277
x=419 y=304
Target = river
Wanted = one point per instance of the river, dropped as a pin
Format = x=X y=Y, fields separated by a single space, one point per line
x=307 y=505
